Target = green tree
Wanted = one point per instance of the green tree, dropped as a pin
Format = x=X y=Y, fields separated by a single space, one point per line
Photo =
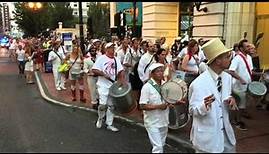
x=32 y=22
x=35 y=22
x=61 y=12
x=98 y=20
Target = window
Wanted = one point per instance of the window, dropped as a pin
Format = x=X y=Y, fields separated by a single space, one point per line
x=75 y=5
x=186 y=18
x=75 y=13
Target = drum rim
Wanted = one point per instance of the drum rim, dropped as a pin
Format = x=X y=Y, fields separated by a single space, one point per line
x=181 y=88
x=259 y=83
x=122 y=94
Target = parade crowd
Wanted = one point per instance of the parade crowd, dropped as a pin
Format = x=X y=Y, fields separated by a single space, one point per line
x=217 y=78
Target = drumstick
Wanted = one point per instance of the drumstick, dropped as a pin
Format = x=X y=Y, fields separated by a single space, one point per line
x=262 y=74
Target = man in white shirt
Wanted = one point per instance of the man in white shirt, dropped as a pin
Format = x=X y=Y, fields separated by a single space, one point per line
x=209 y=103
x=241 y=69
x=146 y=60
x=107 y=67
x=155 y=110
x=20 y=54
x=56 y=58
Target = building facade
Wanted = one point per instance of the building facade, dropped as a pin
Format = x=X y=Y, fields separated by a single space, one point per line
x=85 y=7
x=229 y=21
x=5 y=18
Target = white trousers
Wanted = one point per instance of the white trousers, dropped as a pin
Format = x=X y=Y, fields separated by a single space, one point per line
x=157 y=137
x=105 y=105
x=59 y=78
x=91 y=80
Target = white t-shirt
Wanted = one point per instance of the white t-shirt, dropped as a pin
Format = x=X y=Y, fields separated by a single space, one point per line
x=54 y=58
x=238 y=65
x=145 y=59
x=184 y=51
x=107 y=65
x=21 y=55
x=121 y=54
x=132 y=58
x=153 y=118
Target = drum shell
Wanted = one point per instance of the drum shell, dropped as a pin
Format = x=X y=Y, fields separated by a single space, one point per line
x=124 y=102
x=178 y=116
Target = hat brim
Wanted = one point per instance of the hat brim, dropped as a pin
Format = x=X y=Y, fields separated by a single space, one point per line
x=211 y=60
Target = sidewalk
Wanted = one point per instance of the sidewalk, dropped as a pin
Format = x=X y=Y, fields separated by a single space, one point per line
x=256 y=139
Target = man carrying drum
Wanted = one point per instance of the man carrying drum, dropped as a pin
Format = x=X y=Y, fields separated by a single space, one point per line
x=155 y=109
x=209 y=102
x=108 y=68
x=241 y=69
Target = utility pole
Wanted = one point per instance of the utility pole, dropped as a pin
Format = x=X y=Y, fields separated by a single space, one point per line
x=82 y=47
x=134 y=19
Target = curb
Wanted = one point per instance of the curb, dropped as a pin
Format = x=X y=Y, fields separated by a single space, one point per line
x=171 y=139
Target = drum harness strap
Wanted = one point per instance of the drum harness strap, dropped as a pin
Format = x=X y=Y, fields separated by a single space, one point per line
x=240 y=54
x=156 y=86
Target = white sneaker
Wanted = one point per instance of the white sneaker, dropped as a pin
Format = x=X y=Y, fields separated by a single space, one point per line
x=63 y=88
x=112 y=128
x=58 y=88
x=99 y=123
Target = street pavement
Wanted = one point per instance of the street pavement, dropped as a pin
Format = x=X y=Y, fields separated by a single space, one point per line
x=256 y=139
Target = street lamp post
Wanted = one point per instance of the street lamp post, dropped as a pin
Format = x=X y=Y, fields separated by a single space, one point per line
x=81 y=28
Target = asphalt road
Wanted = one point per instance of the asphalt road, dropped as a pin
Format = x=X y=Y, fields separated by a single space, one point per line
x=30 y=124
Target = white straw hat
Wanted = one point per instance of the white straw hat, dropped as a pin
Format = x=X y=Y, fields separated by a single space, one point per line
x=213 y=48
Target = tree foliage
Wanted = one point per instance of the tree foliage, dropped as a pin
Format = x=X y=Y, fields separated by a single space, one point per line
x=98 y=22
x=34 y=22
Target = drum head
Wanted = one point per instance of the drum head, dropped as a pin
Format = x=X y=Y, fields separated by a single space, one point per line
x=174 y=90
x=257 y=88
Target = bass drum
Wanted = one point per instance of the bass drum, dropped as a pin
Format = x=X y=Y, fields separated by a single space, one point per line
x=121 y=97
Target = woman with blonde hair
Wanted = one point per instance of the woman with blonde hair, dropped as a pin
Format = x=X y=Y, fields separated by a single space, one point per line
x=75 y=59
x=29 y=64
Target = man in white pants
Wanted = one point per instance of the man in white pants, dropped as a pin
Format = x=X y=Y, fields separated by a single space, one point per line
x=155 y=109
x=56 y=58
x=109 y=69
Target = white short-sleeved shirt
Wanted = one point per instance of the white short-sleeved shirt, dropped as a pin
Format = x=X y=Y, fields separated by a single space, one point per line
x=121 y=54
x=132 y=58
x=53 y=55
x=145 y=59
x=21 y=55
x=107 y=65
x=201 y=54
x=192 y=64
x=238 y=65
x=153 y=118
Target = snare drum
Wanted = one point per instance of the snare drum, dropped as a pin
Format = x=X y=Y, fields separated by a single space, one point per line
x=174 y=90
x=257 y=89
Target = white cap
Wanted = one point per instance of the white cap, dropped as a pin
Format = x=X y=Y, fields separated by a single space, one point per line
x=96 y=40
x=109 y=45
x=154 y=66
